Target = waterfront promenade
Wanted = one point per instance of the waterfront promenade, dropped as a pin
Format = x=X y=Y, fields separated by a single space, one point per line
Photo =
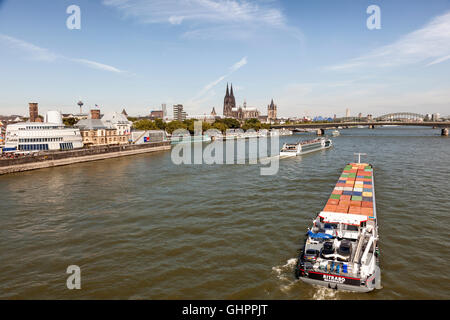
x=62 y=158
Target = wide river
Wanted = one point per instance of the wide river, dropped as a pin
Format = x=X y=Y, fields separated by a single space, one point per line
x=141 y=227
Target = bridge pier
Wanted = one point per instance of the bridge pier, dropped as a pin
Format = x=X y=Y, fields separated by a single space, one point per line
x=320 y=132
x=444 y=132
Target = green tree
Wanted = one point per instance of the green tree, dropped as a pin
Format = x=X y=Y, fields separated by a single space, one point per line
x=253 y=123
x=220 y=126
x=206 y=126
x=231 y=123
x=189 y=123
x=160 y=124
x=174 y=125
x=69 y=121
x=145 y=124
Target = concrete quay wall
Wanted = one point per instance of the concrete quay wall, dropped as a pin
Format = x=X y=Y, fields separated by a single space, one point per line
x=76 y=156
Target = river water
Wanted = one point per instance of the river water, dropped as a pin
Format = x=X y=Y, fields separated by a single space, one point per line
x=141 y=227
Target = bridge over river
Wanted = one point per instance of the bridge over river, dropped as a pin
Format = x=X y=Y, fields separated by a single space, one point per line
x=322 y=126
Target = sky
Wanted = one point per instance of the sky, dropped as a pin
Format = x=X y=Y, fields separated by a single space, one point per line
x=312 y=57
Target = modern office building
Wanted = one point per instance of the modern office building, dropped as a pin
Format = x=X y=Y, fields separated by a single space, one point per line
x=156 y=114
x=178 y=113
x=42 y=136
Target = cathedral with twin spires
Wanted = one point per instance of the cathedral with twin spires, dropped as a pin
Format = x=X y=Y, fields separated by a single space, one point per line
x=242 y=113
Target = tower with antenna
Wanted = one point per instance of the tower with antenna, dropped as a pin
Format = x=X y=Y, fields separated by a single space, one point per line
x=80 y=104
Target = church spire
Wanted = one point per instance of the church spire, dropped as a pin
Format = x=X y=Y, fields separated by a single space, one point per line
x=227 y=94
x=232 y=90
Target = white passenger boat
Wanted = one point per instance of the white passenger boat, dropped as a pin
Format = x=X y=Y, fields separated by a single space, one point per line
x=336 y=133
x=303 y=147
x=189 y=139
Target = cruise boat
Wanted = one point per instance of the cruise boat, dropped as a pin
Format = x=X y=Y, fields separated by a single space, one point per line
x=176 y=139
x=336 y=133
x=341 y=249
x=303 y=147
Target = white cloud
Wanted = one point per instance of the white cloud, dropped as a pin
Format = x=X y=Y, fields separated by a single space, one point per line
x=206 y=93
x=430 y=42
x=238 y=64
x=35 y=52
x=209 y=18
x=97 y=65
x=159 y=11
x=176 y=20
x=42 y=54
x=442 y=59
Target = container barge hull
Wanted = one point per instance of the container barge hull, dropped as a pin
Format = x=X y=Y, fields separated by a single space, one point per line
x=341 y=249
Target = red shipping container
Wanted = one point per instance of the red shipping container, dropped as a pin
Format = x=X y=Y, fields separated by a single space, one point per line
x=337 y=191
x=340 y=184
x=355 y=210
x=367 y=211
x=345 y=198
x=344 y=203
x=366 y=204
x=355 y=203
x=349 y=184
x=330 y=208
x=333 y=202
x=341 y=209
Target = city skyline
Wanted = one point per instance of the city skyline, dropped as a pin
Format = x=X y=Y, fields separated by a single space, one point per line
x=139 y=54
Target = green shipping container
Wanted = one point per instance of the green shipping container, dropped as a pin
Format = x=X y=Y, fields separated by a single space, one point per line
x=335 y=196
x=356 y=198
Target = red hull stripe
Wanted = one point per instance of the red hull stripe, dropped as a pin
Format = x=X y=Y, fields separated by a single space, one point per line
x=329 y=274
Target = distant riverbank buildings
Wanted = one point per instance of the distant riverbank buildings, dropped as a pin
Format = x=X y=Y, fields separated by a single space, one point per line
x=113 y=128
x=243 y=113
x=39 y=134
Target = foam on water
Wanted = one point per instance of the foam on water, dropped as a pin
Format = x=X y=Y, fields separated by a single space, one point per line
x=323 y=293
x=285 y=274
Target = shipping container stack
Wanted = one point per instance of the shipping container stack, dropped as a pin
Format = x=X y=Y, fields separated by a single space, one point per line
x=353 y=192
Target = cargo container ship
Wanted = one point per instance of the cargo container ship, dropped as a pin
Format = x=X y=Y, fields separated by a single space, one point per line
x=341 y=249
x=303 y=147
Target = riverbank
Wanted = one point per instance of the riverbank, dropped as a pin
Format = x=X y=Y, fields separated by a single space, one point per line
x=62 y=158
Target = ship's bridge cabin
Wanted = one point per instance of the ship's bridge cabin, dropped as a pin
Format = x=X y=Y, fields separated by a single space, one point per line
x=341 y=225
x=347 y=239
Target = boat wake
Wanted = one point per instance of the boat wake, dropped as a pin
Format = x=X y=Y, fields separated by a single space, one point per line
x=323 y=293
x=285 y=274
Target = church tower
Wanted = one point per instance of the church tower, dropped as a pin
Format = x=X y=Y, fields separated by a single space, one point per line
x=229 y=103
x=271 y=112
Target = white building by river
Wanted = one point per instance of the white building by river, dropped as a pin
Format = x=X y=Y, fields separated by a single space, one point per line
x=42 y=136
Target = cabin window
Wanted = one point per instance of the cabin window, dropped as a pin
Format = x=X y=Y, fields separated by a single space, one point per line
x=352 y=228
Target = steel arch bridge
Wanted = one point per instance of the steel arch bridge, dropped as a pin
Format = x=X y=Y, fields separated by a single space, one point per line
x=401 y=116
